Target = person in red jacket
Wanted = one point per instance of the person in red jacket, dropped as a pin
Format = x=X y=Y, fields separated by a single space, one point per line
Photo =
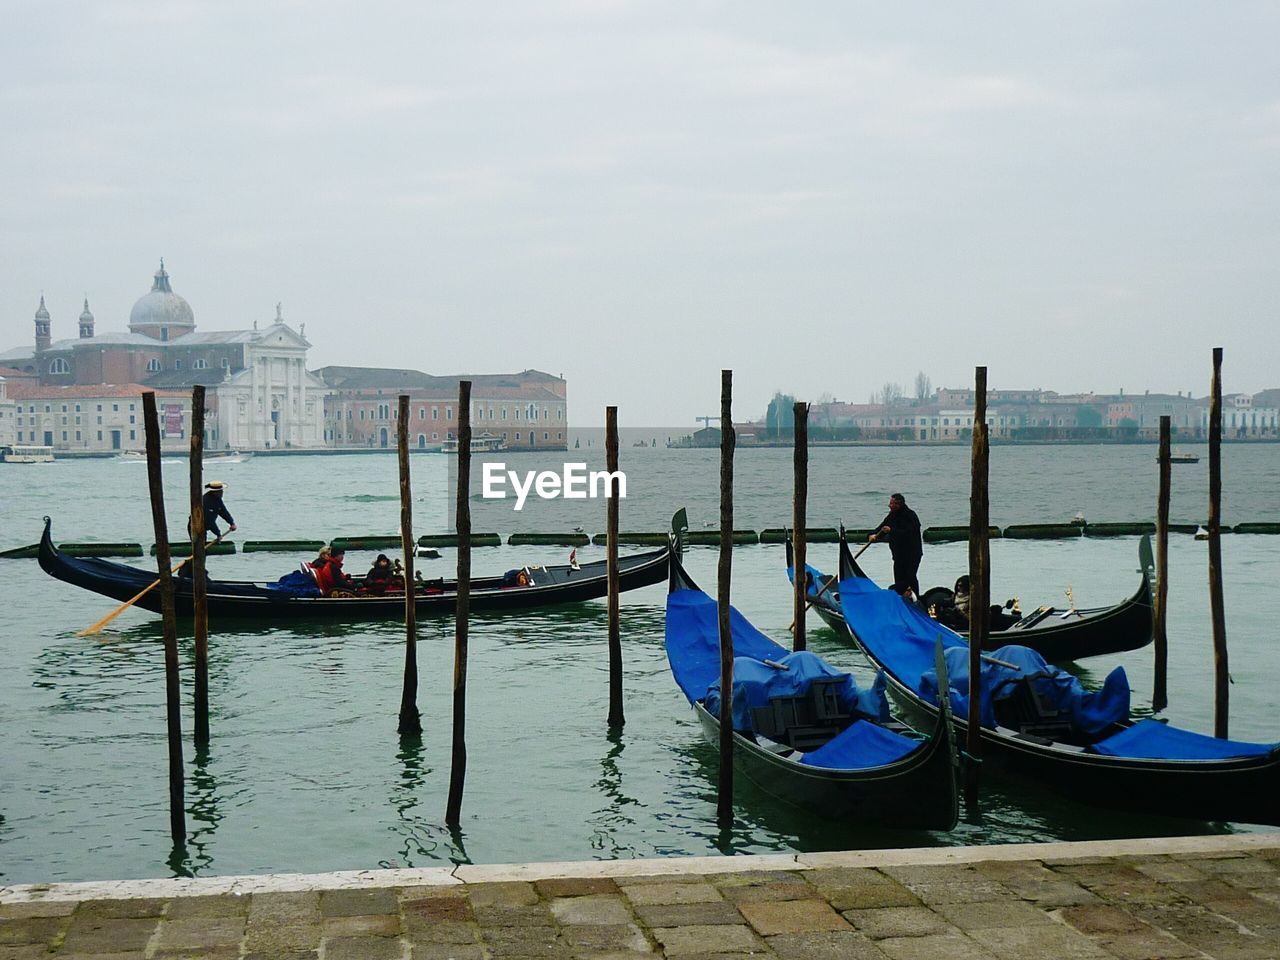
x=330 y=577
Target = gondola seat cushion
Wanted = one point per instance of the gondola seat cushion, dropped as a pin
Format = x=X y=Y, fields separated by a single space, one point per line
x=1154 y=740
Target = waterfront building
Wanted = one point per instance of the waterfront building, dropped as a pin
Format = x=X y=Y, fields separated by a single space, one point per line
x=527 y=410
x=8 y=415
x=98 y=417
x=259 y=395
x=1242 y=418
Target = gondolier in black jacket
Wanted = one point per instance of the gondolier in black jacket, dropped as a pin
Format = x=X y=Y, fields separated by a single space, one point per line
x=214 y=509
x=901 y=528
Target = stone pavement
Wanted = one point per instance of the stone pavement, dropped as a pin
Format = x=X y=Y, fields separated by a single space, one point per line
x=1172 y=898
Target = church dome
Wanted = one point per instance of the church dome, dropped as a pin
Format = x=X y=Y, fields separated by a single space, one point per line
x=162 y=313
x=86 y=316
x=42 y=312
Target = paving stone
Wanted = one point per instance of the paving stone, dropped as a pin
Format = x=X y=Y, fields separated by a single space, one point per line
x=509 y=935
x=756 y=893
x=1036 y=943
x=952 y=946
x=37 y=908
x=1167 y=871
x=1150 y=944
x=1238 y=865
x=122 y=909
x=825 y=945
x=599 y=938
x=63 y=955
x=503 y=915
x=881 y=923
x=198 y=953
x=931 y=873
x=596 y=909
x=441 y=932
x=1258 y=916
x=363 y=948
x=438 y=908
x=687 y=914
x=528 y=950
x=447 y=951
x=575 y=886
x=686 y=892
x=1055 y=862
x=1037 y=883
x=108 y=935
x=224 y=905
x=963 y=888
x=655 y=878
x=285 y=908
x=1140 y=892
x=383 y=925
x=1208 y=891
x=757 y=878
x=29 y=951
x=25 y=930
x=865 y=896
x=706 y=939
x=353 y=903
x=272 y=938
x=1205 y=930
x=846 y=877
x=1094 y=874
x=515 y=893
x=769 y=917
x=197 y=933
x=976 y=916
x=295 y=955
x=1102 y=918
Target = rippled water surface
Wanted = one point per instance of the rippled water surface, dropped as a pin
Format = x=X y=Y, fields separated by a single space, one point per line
x=306 y=771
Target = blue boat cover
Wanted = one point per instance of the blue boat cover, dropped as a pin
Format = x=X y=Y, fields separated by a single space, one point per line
x=815 y=581
x=755 y=683
x=295 y=584
x=1090 y=713
x=1154 y=740
x=861 y=745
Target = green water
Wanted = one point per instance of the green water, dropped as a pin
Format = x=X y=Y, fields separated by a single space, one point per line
x=306 y=771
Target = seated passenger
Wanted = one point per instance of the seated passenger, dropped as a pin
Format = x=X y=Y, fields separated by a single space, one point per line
x=379 y=575
x=330 y=578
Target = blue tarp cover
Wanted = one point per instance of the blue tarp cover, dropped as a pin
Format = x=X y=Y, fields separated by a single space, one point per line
x=295 y=584
x=815 y=583
x=1154 y=740
x=755 y=682
x=861 y=745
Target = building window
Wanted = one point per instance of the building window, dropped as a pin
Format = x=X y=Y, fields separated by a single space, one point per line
x=435 y=414
x=545 y=435
x=153 y=365
x=64 y=408
x=559 y=414
x=177 y=364
x=59 y=365
x=77 y=408
x=448 y=413
x=133 y=434
x=64 y=436
x=99 y=408
x=133 y=418
x=164 y=333
x=504 y=413
x=20 y=436
x=422 y=413
x=77 y=435
x=435 y=436
x=517 y=435
x=99 y=435
x=225 y=363
x=201 y=364
x=361 y=414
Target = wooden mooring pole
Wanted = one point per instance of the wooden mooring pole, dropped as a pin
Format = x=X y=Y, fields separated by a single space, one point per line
x=724 y=797
x=458 y=766
x=979 y=584
x=199 y=585
x=173 y=705
x=1159 y=690
x=799 y=522
x=410 y=717
x=1217 y=611
x=616 y=716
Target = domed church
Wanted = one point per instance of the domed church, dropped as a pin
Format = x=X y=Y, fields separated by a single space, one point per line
x=259 y=396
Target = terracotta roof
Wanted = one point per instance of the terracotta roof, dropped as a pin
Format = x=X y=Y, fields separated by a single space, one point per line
x=22 y=391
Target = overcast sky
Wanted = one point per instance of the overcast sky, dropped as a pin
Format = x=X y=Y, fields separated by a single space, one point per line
x=823 y=196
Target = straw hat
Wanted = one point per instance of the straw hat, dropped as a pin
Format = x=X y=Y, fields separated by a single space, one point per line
x=215 y=485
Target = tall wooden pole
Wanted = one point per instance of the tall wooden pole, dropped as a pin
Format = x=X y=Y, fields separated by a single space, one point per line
x=616 y=717
x=1221 y=678
x=410 y=717
x=458 y=767
x=724 y=799
x=173 y=705
x=1160 y=692
x=979 y=582
x=199 y=586
x=799 y=521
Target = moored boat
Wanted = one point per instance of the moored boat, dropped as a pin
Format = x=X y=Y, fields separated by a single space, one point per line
x=530 y=586
x=1059 y=636
x=1039 y=722
x=803 y=732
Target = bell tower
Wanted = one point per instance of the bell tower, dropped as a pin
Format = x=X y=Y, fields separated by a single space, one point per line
x=43 y=337
x=86 y=321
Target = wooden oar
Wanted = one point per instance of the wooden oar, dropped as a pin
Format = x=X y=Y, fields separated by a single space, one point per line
x=95 y=628
x=810 y=601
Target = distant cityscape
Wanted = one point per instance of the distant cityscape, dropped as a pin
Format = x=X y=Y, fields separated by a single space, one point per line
x=83 y=394
x=946 y=414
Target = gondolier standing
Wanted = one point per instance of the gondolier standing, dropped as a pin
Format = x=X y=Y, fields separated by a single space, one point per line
x=214 y=508
x=901 y=528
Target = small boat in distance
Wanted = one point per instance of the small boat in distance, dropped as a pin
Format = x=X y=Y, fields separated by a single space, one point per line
x=1177 y=456
x=480 y=443
x=17 y=454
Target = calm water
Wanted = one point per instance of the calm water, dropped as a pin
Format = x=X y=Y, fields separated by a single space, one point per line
x=306 y=771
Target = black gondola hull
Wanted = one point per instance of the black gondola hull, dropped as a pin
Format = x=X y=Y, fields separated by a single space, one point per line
x=243 y=600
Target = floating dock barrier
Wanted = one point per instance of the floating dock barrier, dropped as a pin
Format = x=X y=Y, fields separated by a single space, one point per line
x=451 y=540
x=281 y=546
x=811 y=535
x=952 y=534
x=1119 y=529
x=1255 y=528
x=371 y=542
x=177 y=548
x=1043 y=531
x=693 y=537
x=549 y=539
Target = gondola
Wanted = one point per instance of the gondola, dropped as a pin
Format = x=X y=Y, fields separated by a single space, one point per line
x=1086 y=747
x=815 y=747
x=546 y=586
x=1059 y=636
